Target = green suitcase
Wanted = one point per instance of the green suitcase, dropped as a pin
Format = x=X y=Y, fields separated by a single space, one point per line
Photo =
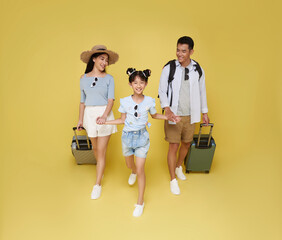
x=201 y=151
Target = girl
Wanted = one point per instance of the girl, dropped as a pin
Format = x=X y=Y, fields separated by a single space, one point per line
x=135 y=138
x=97 y=99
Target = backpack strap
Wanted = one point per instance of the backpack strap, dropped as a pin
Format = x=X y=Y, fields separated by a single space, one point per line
x=198 y=69
x=172 y=68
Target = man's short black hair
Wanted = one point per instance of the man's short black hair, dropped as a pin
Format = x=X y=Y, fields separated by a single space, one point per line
x=186 y=40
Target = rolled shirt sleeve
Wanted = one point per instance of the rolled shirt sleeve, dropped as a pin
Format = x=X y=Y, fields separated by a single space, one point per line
x=203 y=96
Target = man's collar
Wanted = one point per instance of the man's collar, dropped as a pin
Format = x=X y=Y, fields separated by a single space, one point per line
x=191 y=64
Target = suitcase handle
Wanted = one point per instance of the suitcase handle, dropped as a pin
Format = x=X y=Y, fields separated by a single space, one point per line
x=210 y=134
x=74 y=129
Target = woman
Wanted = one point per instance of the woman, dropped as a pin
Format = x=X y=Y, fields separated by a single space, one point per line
x=97 y=100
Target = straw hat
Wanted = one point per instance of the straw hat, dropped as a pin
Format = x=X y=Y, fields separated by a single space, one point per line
x=85 y=56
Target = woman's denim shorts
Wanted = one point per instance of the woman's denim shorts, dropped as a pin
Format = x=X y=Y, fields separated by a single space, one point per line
x=135 y=143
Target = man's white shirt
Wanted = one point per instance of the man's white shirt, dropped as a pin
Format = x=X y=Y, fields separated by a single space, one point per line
x=198 y=98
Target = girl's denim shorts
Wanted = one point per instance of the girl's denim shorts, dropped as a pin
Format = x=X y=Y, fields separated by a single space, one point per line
x=135 y=143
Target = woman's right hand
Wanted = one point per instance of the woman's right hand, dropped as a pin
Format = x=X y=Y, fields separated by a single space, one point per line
x=79 y=125
x=101 y=120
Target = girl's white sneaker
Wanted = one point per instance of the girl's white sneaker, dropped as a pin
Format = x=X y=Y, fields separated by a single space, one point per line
x=132 y=178
x=96 y=192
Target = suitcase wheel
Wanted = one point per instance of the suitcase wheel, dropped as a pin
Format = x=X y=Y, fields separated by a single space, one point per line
x=207 y=171
x=187 y=171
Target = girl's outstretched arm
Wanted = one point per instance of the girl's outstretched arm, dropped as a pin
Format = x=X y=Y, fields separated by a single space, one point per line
x=116 y=121
x=159 y=116
x=163 y=117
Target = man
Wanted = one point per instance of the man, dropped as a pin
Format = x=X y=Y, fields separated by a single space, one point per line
x=184 y=96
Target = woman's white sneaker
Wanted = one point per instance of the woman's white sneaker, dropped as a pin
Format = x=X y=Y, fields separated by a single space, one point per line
x=138 y=210
x=132 y=178
x=96 y=192
x=179 y=173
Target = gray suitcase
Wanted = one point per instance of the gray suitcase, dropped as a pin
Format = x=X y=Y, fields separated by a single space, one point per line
x=201 y=151
x=82 y=149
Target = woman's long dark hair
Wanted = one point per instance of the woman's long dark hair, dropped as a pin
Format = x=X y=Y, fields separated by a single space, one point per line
x=90 y=64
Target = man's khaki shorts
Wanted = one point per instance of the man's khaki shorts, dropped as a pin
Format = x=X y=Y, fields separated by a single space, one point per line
x=182 y=131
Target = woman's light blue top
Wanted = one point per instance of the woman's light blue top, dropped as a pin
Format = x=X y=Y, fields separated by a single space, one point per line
x=133 y=123
x=99 y=94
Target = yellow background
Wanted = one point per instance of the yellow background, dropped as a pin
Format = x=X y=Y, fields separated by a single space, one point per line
x=45 y=195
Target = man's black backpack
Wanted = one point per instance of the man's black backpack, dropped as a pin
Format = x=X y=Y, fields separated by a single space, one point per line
x=172 y=68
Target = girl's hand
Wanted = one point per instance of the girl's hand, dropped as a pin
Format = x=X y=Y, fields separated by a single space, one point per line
x=169 y=114
x=79 y=125
x=177 y=119
x=101 y=120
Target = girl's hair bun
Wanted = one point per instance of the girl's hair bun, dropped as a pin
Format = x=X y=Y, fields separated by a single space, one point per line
x=147 y=73
x=129 y=71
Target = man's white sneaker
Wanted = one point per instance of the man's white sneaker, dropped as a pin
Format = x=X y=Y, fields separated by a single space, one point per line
x=96 y=192
x=179 y=173
x=174 y=187
x=138 y=210
x=132 y=178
